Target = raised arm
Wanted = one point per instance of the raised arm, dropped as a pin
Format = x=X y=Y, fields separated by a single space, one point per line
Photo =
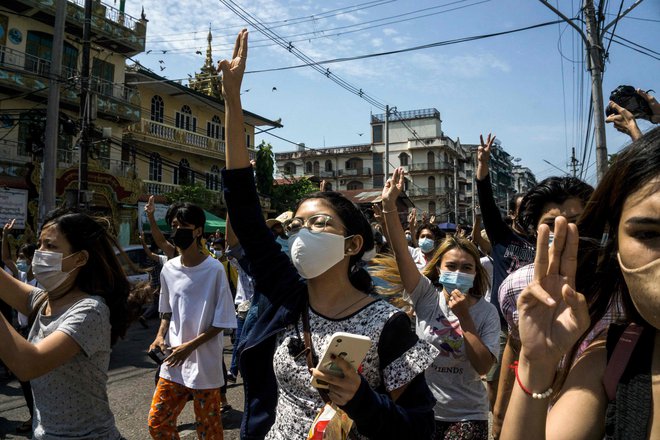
x=495 y=226
x=167 y=247
x=6 y=252
x=274 y=274
x=147 y=251
x=477 y=239
x=412 y=225
x=407 y=269
x=230 y=236
x=232 y=77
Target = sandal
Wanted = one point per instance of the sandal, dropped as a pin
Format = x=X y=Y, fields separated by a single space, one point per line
x=24 y=427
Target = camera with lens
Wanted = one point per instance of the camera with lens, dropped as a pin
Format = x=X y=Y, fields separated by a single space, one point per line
x=628 y=98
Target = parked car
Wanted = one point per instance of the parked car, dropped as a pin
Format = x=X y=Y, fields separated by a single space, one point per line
x=139 y=258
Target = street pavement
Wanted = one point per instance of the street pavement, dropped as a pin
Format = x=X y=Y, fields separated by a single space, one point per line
x=130 y=388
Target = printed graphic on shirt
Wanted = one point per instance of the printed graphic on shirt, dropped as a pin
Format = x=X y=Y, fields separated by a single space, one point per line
x=520 y=256
x=450 y=337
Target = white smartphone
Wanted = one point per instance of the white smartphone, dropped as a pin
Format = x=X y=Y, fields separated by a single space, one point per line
x=351 y=347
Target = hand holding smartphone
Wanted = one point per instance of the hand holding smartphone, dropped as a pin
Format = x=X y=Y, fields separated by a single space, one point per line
x=157 y=355
x=351 y=347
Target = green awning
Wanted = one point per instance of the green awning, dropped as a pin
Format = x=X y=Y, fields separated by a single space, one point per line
x=213 y=222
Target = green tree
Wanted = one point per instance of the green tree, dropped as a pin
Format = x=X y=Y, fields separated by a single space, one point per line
x=286 y=196
x=196 y=193
x=264 y=168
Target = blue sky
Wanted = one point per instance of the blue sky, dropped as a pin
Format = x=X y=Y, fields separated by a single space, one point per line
x=518 y=86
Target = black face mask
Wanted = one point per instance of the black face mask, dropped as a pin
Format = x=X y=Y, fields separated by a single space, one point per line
x=183 y=238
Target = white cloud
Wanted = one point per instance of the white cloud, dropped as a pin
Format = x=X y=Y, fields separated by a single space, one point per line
x=461 y=66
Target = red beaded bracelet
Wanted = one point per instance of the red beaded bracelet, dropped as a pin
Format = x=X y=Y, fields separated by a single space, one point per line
x=543 y=395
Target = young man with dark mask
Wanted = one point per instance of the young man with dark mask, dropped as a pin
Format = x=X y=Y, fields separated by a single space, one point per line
x=195 y=305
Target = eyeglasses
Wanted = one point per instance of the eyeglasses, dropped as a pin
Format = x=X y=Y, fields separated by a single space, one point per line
x=316 y=224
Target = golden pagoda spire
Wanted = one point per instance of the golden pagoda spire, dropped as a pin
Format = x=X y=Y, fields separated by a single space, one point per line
x=209 y=55
x=207 y=80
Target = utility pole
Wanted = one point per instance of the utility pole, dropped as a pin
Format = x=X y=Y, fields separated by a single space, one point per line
x=49 y=164
x=85 y=113
x=593 y=43
x=455 y=190
x=574 y=162
x=596 y=58
x=387 y=141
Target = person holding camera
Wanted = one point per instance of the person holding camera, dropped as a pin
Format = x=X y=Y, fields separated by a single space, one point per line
x=623 y=110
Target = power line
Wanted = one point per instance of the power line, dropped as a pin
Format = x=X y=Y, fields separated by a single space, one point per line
x=637 y=50
x=376 y=54
x=344 y=30
x=619 y=37
x=278 y=23
x=292 y=49
x=616 y=22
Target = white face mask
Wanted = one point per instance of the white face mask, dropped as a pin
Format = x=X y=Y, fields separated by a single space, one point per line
x=314 y=253
x=47 y=269
x=218 y=253
x=644 y=288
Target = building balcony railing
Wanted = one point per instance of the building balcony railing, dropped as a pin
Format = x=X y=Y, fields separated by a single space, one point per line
x=15 y=59
x=156 y=132
x=327 y=174
x=29 y=73
x=422 y=193
x=354 y=172
x=113 y=14
x=430 y=167
x=153 y=187
x=117 y=30
x=118 y=168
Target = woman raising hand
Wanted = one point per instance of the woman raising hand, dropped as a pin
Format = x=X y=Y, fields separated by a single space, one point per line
x=322 y=290
x=453 y=316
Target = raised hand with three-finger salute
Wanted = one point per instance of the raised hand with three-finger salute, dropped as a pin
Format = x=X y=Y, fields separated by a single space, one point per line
x=553 y=316
x=483 y=155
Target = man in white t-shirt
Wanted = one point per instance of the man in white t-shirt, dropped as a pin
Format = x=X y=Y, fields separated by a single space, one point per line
x=195 y=305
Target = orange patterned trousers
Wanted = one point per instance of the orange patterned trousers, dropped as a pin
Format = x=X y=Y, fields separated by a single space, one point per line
x=168 y=402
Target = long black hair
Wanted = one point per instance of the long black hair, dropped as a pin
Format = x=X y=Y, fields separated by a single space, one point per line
x=103 y=274
x=599 y=276
x=356 y=224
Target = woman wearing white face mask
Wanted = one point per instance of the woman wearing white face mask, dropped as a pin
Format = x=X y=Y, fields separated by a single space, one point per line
x=455 y=318
x=83 y=310
x=611 y=390
x=329 y=238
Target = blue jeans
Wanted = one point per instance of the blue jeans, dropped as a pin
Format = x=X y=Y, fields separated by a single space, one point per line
x=233 y=368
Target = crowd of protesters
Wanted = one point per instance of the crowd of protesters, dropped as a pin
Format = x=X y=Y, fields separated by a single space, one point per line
x=546 y=322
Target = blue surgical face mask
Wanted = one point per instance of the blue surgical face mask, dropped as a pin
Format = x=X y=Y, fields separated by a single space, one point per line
x=456 y=281
x=426 y=245
x=22 y=265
